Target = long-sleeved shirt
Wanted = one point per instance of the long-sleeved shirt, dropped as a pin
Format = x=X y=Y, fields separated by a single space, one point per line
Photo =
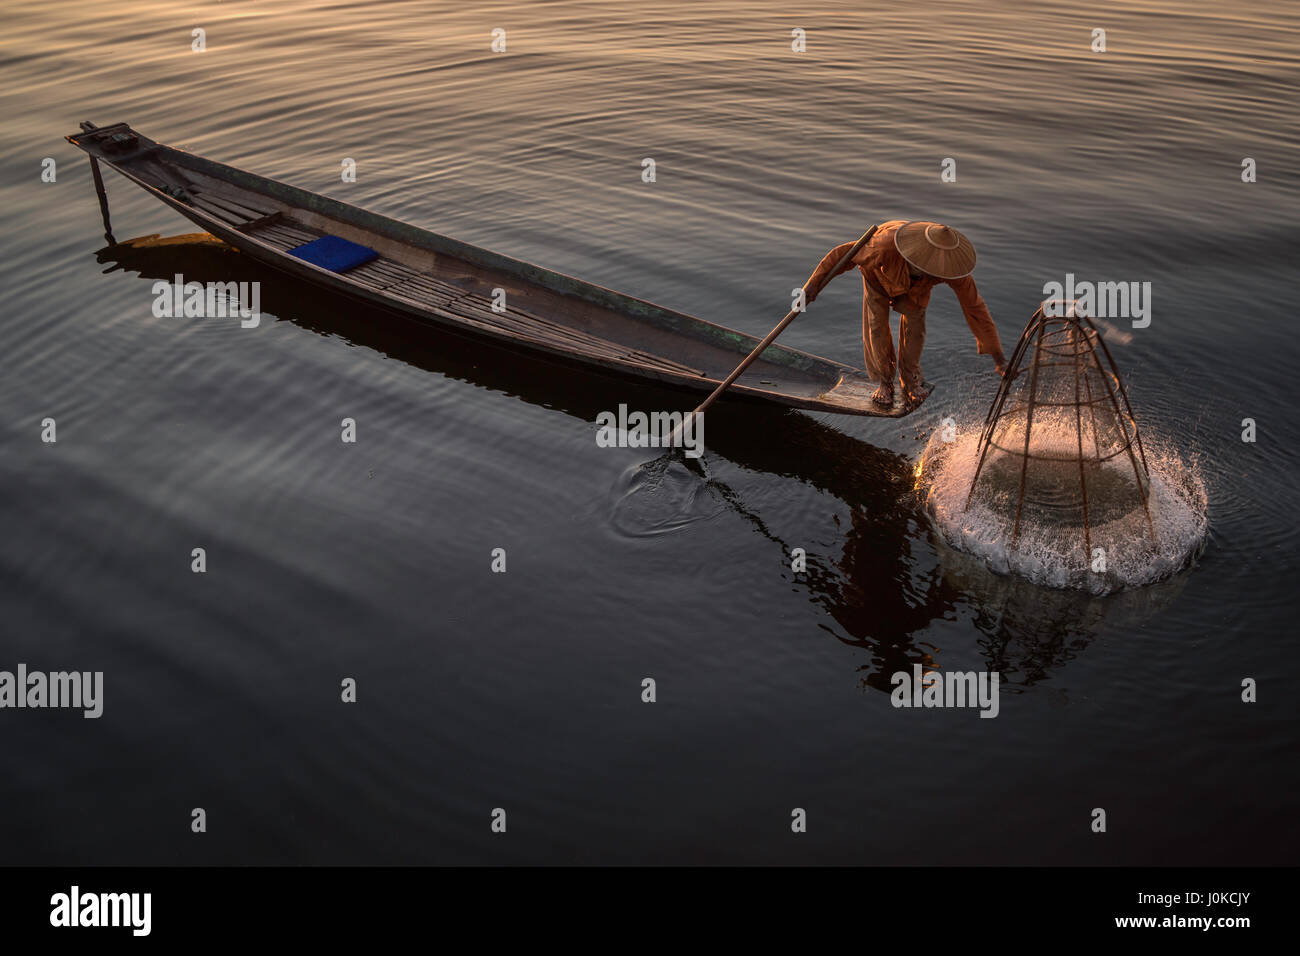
x=888 y=273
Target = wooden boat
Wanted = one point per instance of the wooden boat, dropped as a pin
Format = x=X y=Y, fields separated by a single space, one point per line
x=450 y=283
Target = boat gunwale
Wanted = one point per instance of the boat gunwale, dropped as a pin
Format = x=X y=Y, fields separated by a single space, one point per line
x=559 y=282
x=831 y=373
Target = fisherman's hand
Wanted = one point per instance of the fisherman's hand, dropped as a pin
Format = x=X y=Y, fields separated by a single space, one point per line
x=809 y=296
x=1000 y=364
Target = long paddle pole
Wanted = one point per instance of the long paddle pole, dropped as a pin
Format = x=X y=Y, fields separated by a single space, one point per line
x=768 y=339
x=87 y=127
x=103 y=200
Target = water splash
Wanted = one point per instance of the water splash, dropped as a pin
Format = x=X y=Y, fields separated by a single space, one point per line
x=1050 y=549
x=660 y=497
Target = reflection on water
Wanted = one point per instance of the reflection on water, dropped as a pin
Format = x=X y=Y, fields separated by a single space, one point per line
x=370 y=559
x=870 y=585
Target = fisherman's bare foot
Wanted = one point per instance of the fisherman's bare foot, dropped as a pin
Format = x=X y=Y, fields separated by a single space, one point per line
x=884 y=396
x=915 y=396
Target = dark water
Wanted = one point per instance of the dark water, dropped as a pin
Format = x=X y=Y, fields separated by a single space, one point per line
x=522 y=690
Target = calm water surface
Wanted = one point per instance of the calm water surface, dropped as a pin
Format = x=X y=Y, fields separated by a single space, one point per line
x=522 y=690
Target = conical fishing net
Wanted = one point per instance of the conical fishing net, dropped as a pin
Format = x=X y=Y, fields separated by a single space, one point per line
x=1060 y=448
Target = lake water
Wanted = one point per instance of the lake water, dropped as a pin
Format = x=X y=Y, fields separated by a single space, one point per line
x=522 y=690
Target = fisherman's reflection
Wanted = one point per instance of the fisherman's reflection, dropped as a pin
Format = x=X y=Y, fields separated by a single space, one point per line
x=891 y=589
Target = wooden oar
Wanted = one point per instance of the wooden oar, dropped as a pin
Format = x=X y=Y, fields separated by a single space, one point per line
x=768 y=340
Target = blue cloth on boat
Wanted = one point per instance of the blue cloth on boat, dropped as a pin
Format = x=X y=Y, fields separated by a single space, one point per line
x=334 y=253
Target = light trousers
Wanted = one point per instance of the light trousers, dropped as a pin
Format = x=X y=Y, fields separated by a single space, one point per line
x=878 y=355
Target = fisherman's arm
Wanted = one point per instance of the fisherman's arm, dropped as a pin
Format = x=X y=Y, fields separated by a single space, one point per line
x=822 y=273
x=980 y=321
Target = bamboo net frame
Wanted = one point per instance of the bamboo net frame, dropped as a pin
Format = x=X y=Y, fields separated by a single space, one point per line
x=1070 y=370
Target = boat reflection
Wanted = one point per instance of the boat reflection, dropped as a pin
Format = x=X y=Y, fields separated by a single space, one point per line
x=892 y=584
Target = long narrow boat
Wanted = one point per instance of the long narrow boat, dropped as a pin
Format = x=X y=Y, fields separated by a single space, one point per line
x=449 y=283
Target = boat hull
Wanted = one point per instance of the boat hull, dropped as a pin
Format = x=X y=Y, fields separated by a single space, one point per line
x=441 y=281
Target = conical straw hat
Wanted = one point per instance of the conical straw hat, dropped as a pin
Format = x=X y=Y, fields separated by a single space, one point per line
x=936 y=249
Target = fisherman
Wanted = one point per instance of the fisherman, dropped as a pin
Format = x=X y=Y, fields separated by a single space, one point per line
x=900 y=265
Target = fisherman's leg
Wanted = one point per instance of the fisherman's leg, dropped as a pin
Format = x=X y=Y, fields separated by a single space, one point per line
x=869 y=304
x=878 y=345
x=911 y=340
